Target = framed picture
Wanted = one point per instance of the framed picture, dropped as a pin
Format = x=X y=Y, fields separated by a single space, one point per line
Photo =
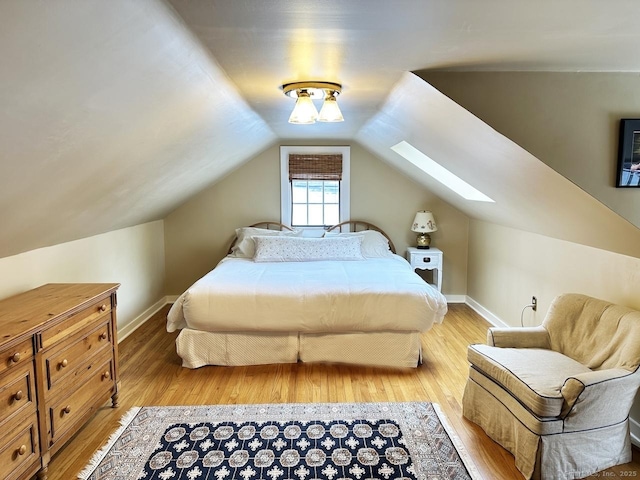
x=629 y=154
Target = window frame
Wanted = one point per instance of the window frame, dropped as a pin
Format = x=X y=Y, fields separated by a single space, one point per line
x=285 y=184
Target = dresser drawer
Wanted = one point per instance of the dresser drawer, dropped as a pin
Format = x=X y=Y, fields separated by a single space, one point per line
x=17 y=393
x=62 y=363
x=76 y=322
x=21 y=451
x=64 y=413
x=16 y=356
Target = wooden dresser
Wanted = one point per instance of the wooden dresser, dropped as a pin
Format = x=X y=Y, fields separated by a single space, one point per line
x=58 y=365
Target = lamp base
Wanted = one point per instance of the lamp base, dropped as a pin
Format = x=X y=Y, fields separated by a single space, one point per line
x=423 y=240
x=422 y=248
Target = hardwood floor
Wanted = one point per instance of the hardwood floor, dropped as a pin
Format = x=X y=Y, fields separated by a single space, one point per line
x=151 y=374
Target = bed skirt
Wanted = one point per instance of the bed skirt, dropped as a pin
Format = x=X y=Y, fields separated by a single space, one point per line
x=382 y=349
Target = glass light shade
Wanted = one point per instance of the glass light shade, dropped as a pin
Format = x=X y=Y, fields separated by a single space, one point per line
x=330 y=112
x=305 y=111
x=424 y=222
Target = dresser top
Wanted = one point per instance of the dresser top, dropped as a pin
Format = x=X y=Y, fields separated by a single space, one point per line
x=24 y=313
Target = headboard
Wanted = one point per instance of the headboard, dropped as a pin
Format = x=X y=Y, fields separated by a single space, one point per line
x=358 y=226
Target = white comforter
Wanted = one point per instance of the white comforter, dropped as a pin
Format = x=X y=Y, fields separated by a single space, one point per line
x=323 y=296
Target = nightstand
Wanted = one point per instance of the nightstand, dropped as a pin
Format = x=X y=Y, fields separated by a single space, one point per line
x=427 y=259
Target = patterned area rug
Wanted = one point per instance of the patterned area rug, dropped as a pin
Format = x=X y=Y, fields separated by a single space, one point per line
x=332 y=441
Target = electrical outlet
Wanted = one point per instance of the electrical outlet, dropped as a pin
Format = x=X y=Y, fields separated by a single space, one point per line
x=534 y=303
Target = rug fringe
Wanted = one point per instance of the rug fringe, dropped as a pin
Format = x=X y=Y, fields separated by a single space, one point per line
x=457 y=442
x=97 y=457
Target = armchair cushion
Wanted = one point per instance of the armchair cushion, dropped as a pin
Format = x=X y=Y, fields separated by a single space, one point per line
x=539 y=388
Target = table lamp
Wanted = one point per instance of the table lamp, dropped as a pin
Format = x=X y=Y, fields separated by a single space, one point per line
x=423 y=224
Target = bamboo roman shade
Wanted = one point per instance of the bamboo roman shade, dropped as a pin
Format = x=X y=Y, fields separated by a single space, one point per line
x=315 y=167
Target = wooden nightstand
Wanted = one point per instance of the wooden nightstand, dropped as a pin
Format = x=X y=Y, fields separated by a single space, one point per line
x=427 y=259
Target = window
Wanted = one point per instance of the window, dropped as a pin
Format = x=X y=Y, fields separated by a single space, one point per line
x=314 y=185
x=315 y=202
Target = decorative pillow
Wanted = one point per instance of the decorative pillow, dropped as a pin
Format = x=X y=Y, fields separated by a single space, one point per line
x=305 y=249
x=245 y=246
x=374 y=243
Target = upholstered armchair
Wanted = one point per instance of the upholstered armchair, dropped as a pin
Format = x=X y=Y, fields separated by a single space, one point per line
x=558 y=396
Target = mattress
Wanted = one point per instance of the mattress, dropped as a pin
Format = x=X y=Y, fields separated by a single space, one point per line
x=375 y=294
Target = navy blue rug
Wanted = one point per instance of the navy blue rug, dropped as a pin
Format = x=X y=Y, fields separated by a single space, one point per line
x=331 y=441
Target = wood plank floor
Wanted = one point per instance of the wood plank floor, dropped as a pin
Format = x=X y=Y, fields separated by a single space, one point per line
x=151 y=374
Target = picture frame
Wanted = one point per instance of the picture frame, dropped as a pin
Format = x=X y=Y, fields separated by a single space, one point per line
x=628 y=173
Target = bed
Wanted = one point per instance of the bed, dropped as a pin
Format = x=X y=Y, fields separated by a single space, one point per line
x=281 y=297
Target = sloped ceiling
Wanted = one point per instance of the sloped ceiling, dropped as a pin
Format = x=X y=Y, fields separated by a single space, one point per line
x=528 y=194
x=112 y=114
x=115 y=112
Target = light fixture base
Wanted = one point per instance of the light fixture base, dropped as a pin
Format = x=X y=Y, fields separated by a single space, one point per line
x=316 y=90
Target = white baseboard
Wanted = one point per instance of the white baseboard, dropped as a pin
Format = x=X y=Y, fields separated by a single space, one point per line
x=132 y=326
x=486 y=314
x=635 y=432
x=456 y=298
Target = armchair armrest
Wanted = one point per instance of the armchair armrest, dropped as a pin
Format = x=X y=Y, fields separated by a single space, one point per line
x=526 y=337
x=598 y=398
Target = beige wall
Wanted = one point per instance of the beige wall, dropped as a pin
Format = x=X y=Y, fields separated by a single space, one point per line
x=197 y=234
x=133 y=257
x=507 y=267
x=569 y=121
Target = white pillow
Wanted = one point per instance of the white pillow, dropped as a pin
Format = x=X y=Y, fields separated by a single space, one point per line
x=245 y=246
x=374 y=243
x=306 y=249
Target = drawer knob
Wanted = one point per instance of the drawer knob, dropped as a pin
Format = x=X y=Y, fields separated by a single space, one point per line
x=64 y=363
x=15 y=358
x=426 y=259
x=103 y=336
x=22 y=450
x=66 y=410
x=106 y=375
x=18 y=395
x=103 y=308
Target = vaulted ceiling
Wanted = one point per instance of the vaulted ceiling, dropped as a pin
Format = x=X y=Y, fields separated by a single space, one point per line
x=115 y=112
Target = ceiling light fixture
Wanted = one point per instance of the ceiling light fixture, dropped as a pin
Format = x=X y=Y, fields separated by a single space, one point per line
x=305 y=112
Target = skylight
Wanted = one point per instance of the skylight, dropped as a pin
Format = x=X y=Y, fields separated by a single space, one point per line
x=441 y=174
